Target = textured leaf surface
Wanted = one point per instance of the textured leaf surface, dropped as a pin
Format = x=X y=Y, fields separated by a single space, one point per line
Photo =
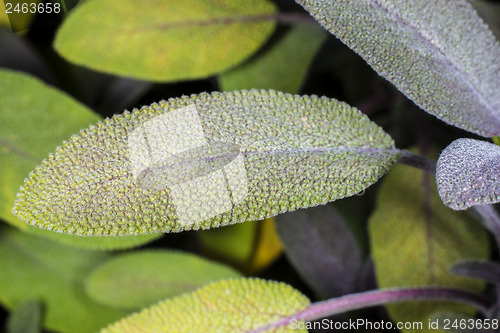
x=25 y=318
x=164 y=40
x=439 y=53
x=224 y=306
x=283 y=67
x=322 y=248
x=138 y=279
x=415 y=239
x=36 y=268
x=468 y=174
x=34 y=119
x=205 y=161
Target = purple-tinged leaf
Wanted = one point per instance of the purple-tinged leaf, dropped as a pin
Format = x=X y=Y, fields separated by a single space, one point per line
x=322 y=248
x=484 y=270
x=439 y=53
x=468 y=174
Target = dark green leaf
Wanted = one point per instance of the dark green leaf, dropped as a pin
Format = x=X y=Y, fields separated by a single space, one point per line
x=36 y=268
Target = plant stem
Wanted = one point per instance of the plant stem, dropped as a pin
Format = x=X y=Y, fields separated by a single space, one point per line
x=379 y=297
x=418 y=161
x=491 y=220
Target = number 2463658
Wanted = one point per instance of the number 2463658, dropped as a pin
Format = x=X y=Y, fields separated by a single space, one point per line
x=32 y=8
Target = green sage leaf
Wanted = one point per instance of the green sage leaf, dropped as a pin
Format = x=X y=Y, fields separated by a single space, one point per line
x=164 y=40
x=468 y=174
x=36 y=268
x=205 y=161
x=136 y=280
x=224 y=306
x=439 y=53
x=416 y=239
x=34 y=119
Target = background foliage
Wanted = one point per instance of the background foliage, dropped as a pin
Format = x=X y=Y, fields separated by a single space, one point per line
x=71 y=69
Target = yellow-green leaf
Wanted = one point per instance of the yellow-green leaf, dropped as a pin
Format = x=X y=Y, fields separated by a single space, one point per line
x=415 y=239
x=283 y=67
x=135 y=280
x=205 y=161
x=164 y=40
x=34 y=119
x=225 y=306
x=250 y=246
x=233 y=243
x=267 y=247
x=36 y=268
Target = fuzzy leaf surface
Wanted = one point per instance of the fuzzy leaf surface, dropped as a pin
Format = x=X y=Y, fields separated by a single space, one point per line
x=415 y=240
x=235 y=305
x=138 y=279
x=322 y=248
x=468 y=174
x=205 y=161
x=34 y=119
x=439 y=53
x=158 y=40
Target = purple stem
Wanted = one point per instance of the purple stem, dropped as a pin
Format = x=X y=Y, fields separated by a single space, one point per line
x=417 y=161
x=379 y=297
